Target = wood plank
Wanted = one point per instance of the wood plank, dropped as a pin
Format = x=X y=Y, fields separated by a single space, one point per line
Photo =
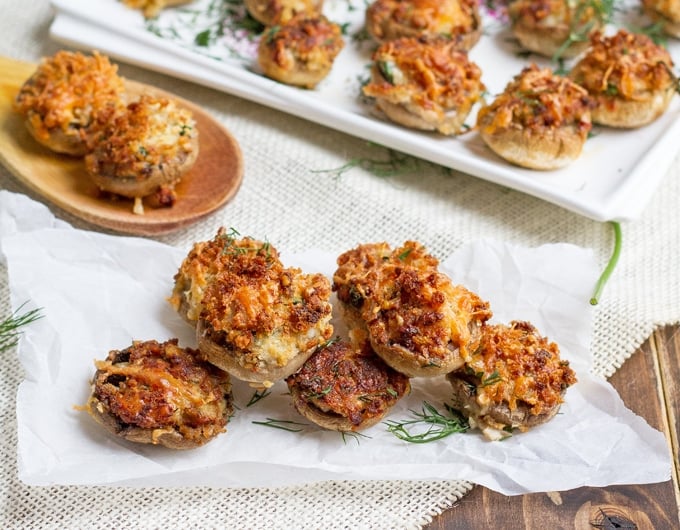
x=648 y=506
x=667 y=347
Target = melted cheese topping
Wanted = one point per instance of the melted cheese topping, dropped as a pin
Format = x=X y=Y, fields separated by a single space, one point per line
x=353 y=383
x=153 y=132
x=515 y=364
x=433 y=76
x=431 y=17
x=405 y=301
x=271 y=12
x=580 y=16
x=305 y=42
x=539 y=101
x=163 y=387
x=254 y=307
x=207 y=259
x=626 y=66
x=68 y=90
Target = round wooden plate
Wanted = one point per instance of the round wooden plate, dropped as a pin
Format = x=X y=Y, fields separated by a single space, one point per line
x=211 y=183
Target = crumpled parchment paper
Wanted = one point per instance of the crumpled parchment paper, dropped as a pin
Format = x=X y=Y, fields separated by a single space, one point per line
x=99 y=292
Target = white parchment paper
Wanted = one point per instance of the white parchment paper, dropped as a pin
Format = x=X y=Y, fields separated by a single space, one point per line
x=100 y=292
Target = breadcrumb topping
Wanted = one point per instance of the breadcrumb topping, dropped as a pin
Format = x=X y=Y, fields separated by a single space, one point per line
x=402 y=18
x=160 y=386
x=539 y=101
x=350 y=382
x=433 y=76
x=625 y=66
x=516 y=364
x=154 y=131
x=305 y=42
x=67 y=91
x=405 y=301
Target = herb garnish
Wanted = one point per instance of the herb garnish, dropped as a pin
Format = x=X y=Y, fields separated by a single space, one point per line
x=437 y=425
x=10 y=326
x=396 y=164
x=285 y=425
x=257 y=396
x=354 y=435
x=613 y=260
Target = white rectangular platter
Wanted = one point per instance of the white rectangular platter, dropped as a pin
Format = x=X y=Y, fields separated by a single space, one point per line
x=612 y=180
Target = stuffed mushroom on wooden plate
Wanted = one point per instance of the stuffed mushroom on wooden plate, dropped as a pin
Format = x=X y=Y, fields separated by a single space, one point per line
x=63 y=180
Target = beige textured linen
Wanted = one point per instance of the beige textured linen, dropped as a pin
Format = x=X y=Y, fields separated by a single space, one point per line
x=285 y=199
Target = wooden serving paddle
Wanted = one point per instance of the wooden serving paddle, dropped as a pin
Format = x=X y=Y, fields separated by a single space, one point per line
x=60 y=179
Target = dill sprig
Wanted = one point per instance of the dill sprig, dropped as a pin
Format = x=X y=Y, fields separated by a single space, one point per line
x=611 y=265
x=10 y=327
x=285 y=425
x=438 y=425
x=257 y=396
x=356 y=436
x=396 y=164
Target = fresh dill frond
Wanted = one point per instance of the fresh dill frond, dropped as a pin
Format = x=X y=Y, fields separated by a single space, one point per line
x=284 y=425
x=356 y=436
x=395 y=164
x=257 y=396
x=11 y=326
x=429 y=425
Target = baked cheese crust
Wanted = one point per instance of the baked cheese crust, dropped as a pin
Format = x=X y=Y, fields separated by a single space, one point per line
x=540 y=121
x=428 y=85
x=515 y=380
x=415 y=318
x=556 y=27
x=145 y=149
x=301 y=51
x=206 y=259
x=254 y=318
x=160 y=393
x=271 y=12
x=629 y=77
x=62 y=99
x=457 y=20
x=346 y=388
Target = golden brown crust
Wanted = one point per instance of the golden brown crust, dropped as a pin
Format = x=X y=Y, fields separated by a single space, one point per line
x=540 y=121
x=300 y=52
x=346 y=388
x=458 y=20
x=428 y=85
x=258 y=320
x=226 y=251
x=629 y=78
x=515 y=380
x=271 y=12
x=152 y=8
x=666 y=12
x=148 y=147
x=415 y=318
x=159 y=393
x=546 y=26
x=61 y=100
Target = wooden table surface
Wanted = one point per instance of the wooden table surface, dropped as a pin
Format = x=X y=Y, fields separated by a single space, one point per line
x=649 y=384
